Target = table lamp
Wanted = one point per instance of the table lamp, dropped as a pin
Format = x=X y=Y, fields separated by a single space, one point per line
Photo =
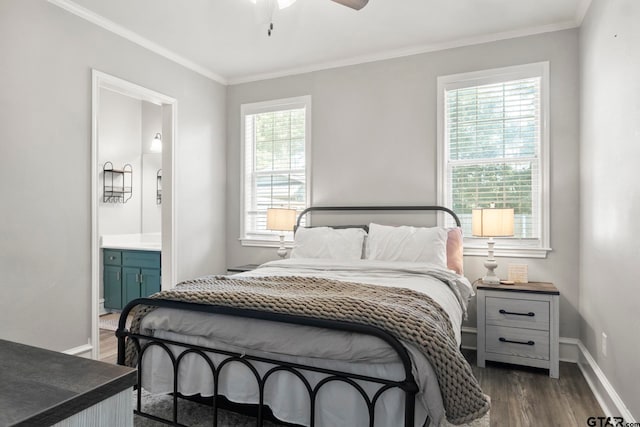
x=491 y=222
x=279 y=219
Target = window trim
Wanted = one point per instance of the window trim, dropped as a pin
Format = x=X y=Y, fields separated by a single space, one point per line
x=272 y=238
x=475 y=246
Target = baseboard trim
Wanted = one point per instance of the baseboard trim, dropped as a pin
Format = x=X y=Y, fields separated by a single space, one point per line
x=82 y=351
x=469 y=337
x=101 y=309
x=569 y=351
x=606 y=395
x=572 y=350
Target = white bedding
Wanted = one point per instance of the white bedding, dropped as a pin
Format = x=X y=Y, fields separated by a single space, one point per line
x=345 y=351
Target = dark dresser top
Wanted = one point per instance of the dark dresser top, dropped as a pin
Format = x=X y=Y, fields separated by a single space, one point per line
x=43 y=387
x=531 y=287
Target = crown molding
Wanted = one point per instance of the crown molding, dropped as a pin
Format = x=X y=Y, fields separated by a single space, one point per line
x=581 y=11
x=399 y=53
x=136 y=38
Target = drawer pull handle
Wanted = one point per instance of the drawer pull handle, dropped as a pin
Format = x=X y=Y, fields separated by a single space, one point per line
x=112 y=257
x=529 y=314
x=517 y=342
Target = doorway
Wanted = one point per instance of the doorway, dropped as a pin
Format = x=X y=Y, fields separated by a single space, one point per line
x=152 y=220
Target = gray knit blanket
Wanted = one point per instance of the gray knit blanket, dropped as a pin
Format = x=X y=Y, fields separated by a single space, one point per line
x=409 y=316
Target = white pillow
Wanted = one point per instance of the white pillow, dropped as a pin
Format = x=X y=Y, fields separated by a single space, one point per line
x=411 y=244
x=328 y=243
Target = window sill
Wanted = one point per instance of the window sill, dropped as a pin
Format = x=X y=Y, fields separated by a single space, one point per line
x=265 y=243
x=507 y=252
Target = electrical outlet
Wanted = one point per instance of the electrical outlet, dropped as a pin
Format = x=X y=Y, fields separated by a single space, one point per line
x=604 y=344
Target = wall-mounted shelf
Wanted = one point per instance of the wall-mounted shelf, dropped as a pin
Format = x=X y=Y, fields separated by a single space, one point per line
x=159 y=187
x=117 y=183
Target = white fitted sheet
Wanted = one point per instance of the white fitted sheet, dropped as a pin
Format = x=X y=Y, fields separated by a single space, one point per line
x=337 y=350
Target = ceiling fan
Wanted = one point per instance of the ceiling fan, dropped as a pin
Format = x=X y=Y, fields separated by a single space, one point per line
x=353 y=4
x=269 y=6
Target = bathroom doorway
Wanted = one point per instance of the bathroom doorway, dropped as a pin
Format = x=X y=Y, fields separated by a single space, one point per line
x=133 y=194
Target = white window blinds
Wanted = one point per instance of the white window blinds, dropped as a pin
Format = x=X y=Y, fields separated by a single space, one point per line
x=275 y=165
x=493 y=134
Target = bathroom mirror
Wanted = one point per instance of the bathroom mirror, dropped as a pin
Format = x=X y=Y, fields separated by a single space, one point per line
x=151 y=218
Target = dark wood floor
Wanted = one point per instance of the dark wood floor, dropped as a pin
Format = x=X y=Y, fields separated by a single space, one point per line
x=108 y=346
x=108 y=342
x=520 y=396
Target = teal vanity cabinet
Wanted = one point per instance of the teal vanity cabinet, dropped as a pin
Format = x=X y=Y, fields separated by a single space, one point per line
x=141 y=274
x=112 y=278
x=129 y=274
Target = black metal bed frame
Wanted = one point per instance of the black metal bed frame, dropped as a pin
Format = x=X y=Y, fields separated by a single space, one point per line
x=143 y=342
x=377 y=208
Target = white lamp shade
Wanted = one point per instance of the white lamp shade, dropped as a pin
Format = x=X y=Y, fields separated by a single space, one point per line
x=279 y=219
x=156 y=143
x=492 y=222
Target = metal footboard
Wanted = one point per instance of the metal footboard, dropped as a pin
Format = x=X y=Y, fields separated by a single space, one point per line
x=143 y=342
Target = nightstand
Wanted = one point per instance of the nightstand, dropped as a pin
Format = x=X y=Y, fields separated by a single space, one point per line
x=519 y=324
x=242 y=268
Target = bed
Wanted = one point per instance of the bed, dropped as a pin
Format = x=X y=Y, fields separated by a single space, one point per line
x=328 y=337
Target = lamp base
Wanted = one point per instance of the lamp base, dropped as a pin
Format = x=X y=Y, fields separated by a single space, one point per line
x=491 y=264
x=491 y=280
x=282 y=251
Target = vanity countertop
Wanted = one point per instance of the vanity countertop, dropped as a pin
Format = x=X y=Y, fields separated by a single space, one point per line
x=43 y=387
x=140 y=242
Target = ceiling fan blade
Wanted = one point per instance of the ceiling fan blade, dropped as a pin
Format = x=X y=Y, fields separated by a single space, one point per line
x=353 y=4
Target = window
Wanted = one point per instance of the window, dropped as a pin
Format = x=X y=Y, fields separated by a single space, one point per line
x=493 y=148
x=275 y=163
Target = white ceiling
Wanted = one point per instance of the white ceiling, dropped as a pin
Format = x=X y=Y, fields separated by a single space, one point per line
x=225 y=40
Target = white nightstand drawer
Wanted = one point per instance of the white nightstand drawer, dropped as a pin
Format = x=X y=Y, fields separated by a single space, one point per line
x=528 y=343
x=517 y=313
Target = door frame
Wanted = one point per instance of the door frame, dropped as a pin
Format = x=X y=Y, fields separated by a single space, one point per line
x=100 y=81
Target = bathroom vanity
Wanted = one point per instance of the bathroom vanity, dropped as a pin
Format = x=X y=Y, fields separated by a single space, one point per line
x=131 y=269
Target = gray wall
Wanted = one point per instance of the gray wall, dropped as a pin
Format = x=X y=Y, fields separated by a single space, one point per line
x=151 y=162
x=374 y=141
x=45 y=166
x=610 y=193
x=119 y=136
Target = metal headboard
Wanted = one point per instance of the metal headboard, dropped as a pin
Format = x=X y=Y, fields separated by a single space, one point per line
x=377 y=208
